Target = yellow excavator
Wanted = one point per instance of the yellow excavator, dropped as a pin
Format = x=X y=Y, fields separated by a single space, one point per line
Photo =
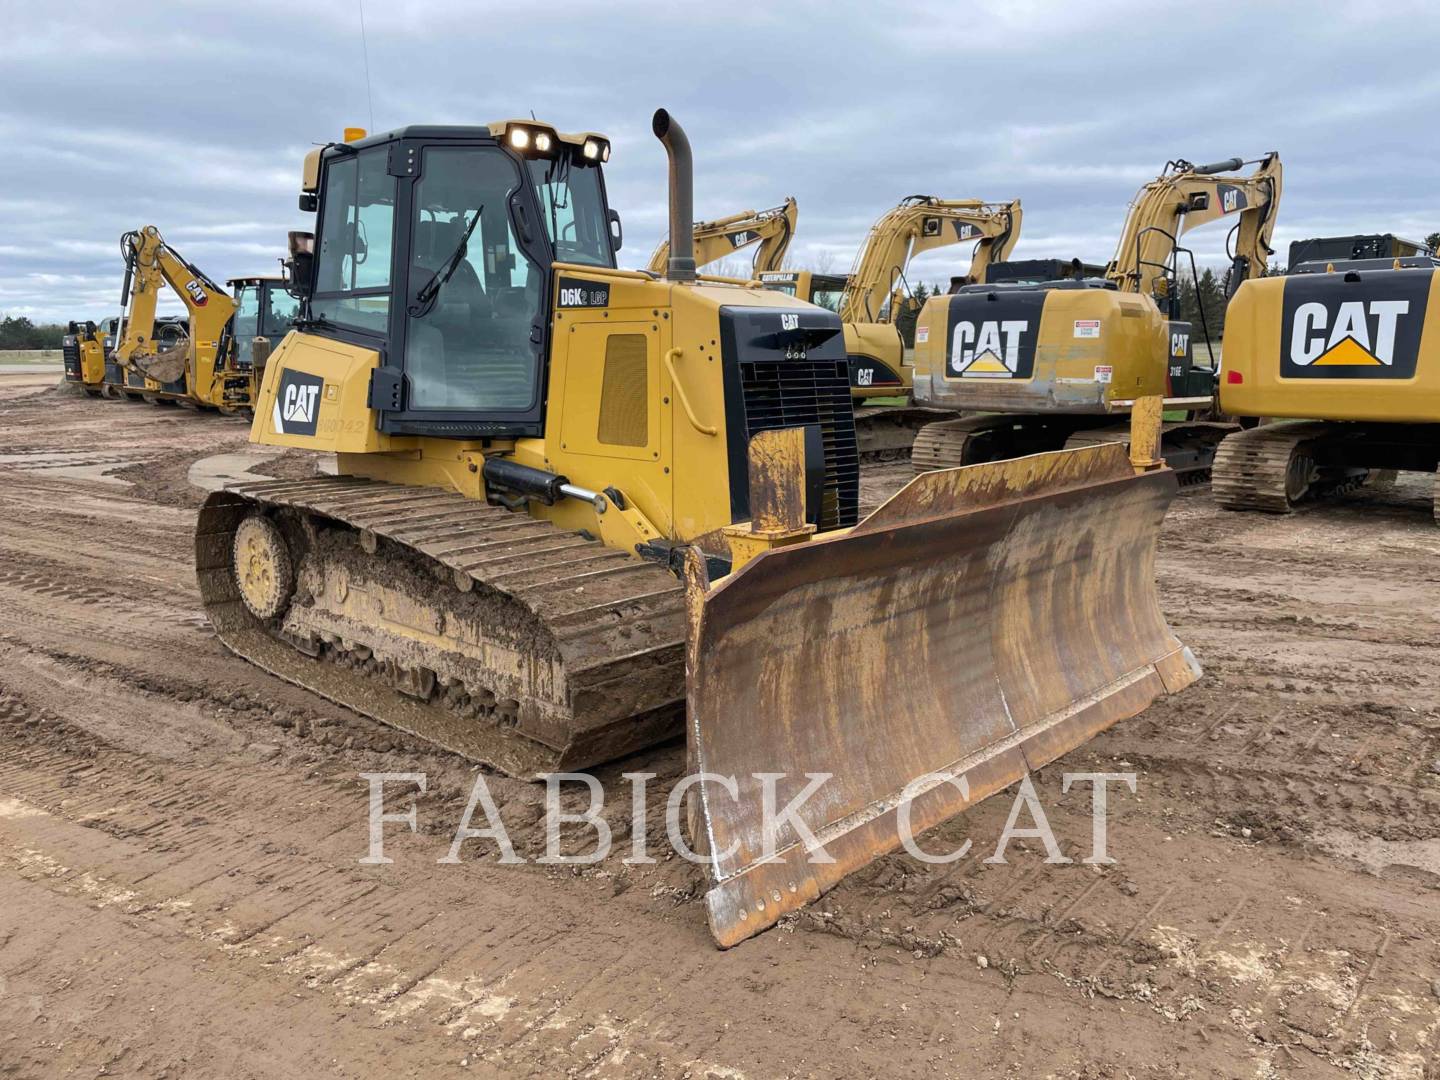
x=874 y=292
x=199 y=368
x=1349 y=348
x=580 y=510
x=1044 y=365
x=772 y=229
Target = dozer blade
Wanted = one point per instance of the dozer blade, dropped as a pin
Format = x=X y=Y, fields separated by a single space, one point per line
x=981 y=623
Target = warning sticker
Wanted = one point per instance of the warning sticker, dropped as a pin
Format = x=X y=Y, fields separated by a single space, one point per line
x=922 y=335
x=1103 y=372
x=1087 y=328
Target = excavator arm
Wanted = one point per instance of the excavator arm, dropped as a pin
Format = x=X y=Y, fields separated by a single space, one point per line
x=772 y=229
x=924 y=223
x=1186 y=196
x=151 y=264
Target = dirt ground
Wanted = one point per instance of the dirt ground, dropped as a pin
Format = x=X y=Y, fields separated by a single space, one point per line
x=180 y=835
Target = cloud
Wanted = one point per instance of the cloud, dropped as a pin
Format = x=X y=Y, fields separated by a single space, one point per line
x=195 y=117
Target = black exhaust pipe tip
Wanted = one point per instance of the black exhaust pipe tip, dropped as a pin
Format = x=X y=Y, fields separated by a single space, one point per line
x=660 y=123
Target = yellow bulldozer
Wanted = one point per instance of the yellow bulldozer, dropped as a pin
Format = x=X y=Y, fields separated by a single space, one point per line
x=1350 y=349
x=580 y=510
x=1040 y=365
x=771 y=229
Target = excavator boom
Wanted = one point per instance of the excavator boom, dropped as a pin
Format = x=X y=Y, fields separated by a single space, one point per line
x=1185 y=196
x=923 y=223
x=772 y=229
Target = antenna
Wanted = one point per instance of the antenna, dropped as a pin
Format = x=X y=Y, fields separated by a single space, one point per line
x=365 y=52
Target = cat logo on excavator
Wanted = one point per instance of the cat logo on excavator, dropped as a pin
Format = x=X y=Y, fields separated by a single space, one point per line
x=1363 y=331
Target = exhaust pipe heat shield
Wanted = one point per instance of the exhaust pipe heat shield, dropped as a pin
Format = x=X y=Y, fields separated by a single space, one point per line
x=982 y=622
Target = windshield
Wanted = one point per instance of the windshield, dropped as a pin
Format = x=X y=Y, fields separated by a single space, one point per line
x=573 y=209
x=828 y=298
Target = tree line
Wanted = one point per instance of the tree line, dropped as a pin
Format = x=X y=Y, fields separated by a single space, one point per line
x=20 y=333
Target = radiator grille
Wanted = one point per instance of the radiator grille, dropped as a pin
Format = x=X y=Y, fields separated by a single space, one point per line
x=624 y=392
x=794 y=393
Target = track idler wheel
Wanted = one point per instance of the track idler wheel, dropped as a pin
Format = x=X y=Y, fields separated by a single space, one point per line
x=264 y=572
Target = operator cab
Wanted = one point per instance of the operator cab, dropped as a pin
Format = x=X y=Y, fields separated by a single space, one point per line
x=263 y=308
x=467 y=222
x=822 y=290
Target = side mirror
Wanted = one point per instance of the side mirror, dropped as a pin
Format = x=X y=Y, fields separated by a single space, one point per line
x=617 y=231
x=301 y=264
x=302 y=274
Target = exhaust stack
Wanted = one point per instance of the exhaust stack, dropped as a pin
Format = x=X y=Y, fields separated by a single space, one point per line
x=681 y=266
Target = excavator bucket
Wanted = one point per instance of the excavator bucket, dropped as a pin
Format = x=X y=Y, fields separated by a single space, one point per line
x=979 y=624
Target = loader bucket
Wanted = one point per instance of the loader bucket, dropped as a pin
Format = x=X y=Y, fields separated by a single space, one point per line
x=164 y=367
x=982 y=622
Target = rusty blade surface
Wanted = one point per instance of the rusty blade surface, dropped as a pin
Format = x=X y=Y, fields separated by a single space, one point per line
x=982 y=622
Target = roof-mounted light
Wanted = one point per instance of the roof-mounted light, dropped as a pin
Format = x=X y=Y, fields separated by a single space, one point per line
x=591 y=150
x=520 y=138
x=543 y=142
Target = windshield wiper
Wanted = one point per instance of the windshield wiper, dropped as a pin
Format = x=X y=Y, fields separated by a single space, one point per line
x=425 y=298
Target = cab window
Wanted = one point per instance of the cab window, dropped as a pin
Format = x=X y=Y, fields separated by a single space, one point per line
x=247 y=317
x=352 y=273
x=573 y=209
x=283 y=311
x=472 y=294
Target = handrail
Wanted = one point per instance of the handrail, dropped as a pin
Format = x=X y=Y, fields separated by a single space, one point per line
x=704 y=429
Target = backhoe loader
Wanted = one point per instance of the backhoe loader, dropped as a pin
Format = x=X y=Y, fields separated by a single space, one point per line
x=579 y=510
x=1056 y=364
x=1351 y=349
x=772 y=229
x=199 y=369
x=875 y=290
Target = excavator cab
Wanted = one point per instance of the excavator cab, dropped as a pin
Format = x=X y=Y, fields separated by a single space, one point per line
x=822 y=290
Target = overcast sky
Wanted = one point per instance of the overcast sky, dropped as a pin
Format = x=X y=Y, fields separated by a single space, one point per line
x=195 y=116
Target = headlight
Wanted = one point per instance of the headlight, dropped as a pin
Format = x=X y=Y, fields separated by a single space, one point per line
x=519 y=138
x=591 y=149
x=542 y=142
